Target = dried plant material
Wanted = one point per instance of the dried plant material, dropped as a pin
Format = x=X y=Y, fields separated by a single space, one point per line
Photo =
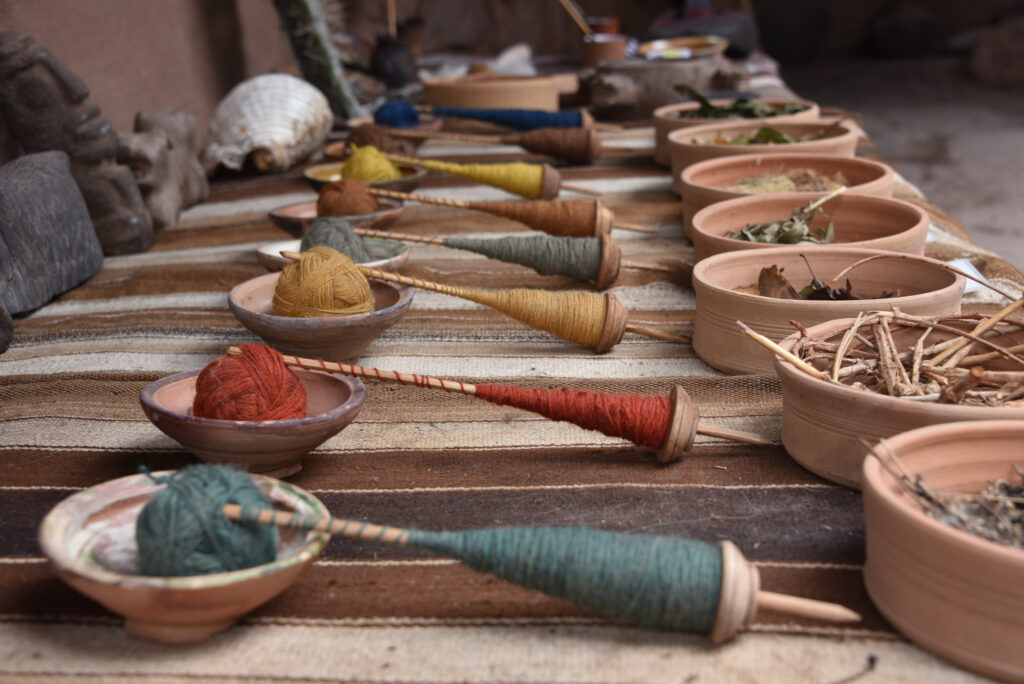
x=739 y=108
x=765 y=135
x=790 y=180
x=795 y=230
x=771 y=283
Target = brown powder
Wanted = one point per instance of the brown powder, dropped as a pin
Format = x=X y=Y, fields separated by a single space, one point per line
x=346 y=197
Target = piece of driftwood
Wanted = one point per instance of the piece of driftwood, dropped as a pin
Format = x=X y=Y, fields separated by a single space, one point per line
x=163 y=156
x=46 y=107
x=47 y=243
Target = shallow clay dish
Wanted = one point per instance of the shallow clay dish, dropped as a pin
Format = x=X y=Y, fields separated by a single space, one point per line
x=926 y=289
x=666 y=119
x=499 y=91
x=860 y=221
x=90 y=541
x=271 y=447
x=707 y=182
x=684 y=47
x=296 y=218
x=949 y=591
x=334 y=338
x=684 y=147
x=823 y=423
x=388 y=255
x=320 y=175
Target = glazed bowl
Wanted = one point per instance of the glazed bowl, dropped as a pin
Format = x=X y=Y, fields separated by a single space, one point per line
x=860 y=221
x=708 y=182
x=333 y=338
x=296 y=218
x=694 y=143
x=666 y=119
x=954 y=593
x=926 y=289
x=271 y=447
x=320 y=175
x=825 y=424
x=388 y=255
x=90 y=541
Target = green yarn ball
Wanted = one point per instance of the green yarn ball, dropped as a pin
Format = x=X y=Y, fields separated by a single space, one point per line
x=181 y=531
x=337 y=234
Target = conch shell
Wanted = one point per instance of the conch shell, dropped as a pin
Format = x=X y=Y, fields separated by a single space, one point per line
x=278 y=118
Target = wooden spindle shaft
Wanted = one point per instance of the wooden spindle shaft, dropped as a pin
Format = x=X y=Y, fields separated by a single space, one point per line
x=733 y=435
x=580 y=189
x=403 y=237
x=512 y=138
x=812 y=608
x=636 y=227
x=353 y=529
x=440 y=201
x=658 y=334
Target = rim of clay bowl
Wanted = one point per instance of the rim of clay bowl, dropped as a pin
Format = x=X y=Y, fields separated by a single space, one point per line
x=684 y=136
x=53 y=529
x=786 y=159
x=410 y=173
x=296 y=216
x=664 y=112
x=396 y=249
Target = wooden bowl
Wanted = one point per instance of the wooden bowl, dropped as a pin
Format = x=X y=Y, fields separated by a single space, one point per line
x=388 y=255
x=683 y=150
x=296 y=218
x=334 y=338
x=860 y=221
x=494 y=91
x=683 y=47
x=823 y=423
x=926 y=289
x=271 y=447
x=947 y=590
x=666 y=119
x=704 y=183
x=90 y=541
x=320 y=175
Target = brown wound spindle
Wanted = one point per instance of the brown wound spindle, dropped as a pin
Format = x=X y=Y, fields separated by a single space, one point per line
x=574 y=145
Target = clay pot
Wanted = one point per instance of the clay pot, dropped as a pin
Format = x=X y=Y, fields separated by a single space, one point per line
x=683 y=151
x=603 y=47
x=947 y=590
x=860 y=221
x=707 y=182
x=333 y=338
x=388 y=255
x=90 y=541
x=823 y=423
x=271 y=447
x=666 y=119
x=296 y=218
x=320 y=175
x=493 y=91
x=926 y=289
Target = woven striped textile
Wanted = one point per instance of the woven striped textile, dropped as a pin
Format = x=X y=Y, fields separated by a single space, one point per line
x=70 y=418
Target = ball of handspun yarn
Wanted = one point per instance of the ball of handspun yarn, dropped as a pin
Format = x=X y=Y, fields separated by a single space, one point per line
x=323 y=282
x=368 y=165
x=255 y=385
x=337 y=234
x=346 y=197
x=397 y=114
x=181 y=531
x=377 y=136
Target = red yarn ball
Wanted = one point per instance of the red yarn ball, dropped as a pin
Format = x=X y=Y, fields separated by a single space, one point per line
x=256 y=385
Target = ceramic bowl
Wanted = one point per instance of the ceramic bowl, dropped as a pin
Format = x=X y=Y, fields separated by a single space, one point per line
x=334 y=338
x=296 y=218
x=926 y=289
x=666 y=119
x=320 y=175
x=860 y=221
x=824 y=423
x=388 y=255
x=707 y=182
x=947 y=590
x=271 y=447
x=90 y=541
x=693 y=144
x=683 y=47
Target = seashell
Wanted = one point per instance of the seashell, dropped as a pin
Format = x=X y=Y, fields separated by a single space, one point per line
x=278 y=118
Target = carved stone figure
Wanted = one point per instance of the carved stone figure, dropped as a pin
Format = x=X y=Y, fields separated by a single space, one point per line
x=45 y=107
x=162 y=155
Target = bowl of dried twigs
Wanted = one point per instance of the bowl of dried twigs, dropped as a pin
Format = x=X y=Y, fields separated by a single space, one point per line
x=883 y=373
x=769 y=288
x=944 y=525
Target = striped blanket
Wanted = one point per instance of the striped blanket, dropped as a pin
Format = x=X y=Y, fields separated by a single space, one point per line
x=70 y=418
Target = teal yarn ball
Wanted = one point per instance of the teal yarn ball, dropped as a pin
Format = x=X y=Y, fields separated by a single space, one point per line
x=181 y=531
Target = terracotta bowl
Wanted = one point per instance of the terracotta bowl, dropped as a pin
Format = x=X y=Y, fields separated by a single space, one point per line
x=947 y=590
x=389 y=255
x=90 y=541
x=334 y=338
x=926 y=289
x=296 y=218
x=683 y=151
x=823 y=423
x=320 y=175
x=707 y=182
x=860 y=221
x=271 y=447
x=666 y=119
